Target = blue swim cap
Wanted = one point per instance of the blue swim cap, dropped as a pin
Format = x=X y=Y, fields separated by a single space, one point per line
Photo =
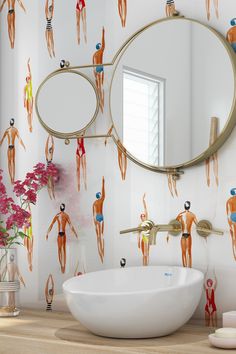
x=98 y=46
x=233 y=191
x=233 y=22
x=98 y=195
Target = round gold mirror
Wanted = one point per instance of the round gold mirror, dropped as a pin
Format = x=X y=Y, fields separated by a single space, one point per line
x=169 y=81
x=67 y=103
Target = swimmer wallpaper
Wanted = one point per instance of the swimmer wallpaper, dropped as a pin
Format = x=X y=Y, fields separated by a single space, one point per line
x=28 y=97
x=99 y=192
x=99 y=69
x=11 y=134
x=11 y=17
x=81 y=19
x=122 y=8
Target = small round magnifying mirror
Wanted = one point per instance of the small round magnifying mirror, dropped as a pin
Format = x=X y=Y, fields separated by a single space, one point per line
x=67 y=103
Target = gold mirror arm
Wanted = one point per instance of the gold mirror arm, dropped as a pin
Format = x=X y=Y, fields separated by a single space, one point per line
x=204 y=228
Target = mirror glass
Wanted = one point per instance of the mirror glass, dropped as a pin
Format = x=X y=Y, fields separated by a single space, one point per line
x=67 y=102
x=168 y=84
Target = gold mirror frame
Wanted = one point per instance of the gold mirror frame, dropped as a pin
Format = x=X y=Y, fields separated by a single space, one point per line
x=175 y=169
x=230 y=123
x=70 y=135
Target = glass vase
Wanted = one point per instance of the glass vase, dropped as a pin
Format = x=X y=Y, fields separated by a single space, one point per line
x=9 y=283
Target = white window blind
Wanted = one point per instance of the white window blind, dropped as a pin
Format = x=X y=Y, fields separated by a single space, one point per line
x=143 y=112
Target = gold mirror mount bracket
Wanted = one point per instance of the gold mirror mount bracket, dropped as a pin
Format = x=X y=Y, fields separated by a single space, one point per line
x=174 y=172
x=204 y=229
x=177 y=228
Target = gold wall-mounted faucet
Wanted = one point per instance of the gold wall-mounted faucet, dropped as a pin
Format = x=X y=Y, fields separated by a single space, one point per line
x=204 y=228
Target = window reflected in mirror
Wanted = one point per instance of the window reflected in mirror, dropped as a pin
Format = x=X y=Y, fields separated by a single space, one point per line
x=143 y=112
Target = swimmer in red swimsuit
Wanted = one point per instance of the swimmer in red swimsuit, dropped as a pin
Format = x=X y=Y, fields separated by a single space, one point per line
x=210 y=307
x=81 y=14
x=81 y=162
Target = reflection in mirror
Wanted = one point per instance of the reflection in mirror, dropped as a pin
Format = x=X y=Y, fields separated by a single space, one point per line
x=67 y=102
x=170 y=80
x=143 y=112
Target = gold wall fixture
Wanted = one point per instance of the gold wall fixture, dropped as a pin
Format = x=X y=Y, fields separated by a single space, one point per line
x=177 y=170
x=204 y=228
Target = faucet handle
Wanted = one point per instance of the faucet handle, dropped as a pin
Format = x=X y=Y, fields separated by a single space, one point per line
x=204 y=228
x=145 y=226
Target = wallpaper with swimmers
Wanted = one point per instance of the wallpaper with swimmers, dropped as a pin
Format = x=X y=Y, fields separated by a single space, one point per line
x=75 y=226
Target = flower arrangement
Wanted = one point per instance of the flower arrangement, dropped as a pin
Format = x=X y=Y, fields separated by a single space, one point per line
x=17 y=216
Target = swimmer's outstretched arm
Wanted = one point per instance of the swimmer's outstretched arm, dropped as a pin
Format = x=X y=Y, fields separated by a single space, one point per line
x=145 y=206
x=4 y=135
x=52 y=7
x=103 y=188
x=46 y=8
x=94 y=213
x=3 y=3
x=215 y=280
x=51 y=226
x=29 y=70
x=21 y=5
x=228 y=211
x=20 y=140
x=72 y=227
x=103 y=39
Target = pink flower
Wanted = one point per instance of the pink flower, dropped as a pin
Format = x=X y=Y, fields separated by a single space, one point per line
x=31 y=196
x=19 y=188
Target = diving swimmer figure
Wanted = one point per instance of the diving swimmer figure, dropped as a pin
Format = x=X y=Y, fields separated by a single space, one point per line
x=99 y=219
x=81 y=14
x=99 y=69
x=122 y=8
x=143 y=239
x=231 y=34
x=62 y=220
x=186 y=218
x=210 y=307
x=11 y=18
x=28 y=97
x=11 y=134
x=231 y=215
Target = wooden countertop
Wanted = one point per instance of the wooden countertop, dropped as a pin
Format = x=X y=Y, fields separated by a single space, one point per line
x=41 y=332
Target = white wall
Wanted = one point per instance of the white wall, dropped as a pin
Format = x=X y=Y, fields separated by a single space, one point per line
x=123 y=203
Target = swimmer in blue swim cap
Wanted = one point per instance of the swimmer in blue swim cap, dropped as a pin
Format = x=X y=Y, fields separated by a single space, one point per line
x=99 y=219
x=231 y=34
x=99 y=69
x=231 y=215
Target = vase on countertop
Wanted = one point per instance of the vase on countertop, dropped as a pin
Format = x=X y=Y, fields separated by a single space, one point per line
x=9 y=282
